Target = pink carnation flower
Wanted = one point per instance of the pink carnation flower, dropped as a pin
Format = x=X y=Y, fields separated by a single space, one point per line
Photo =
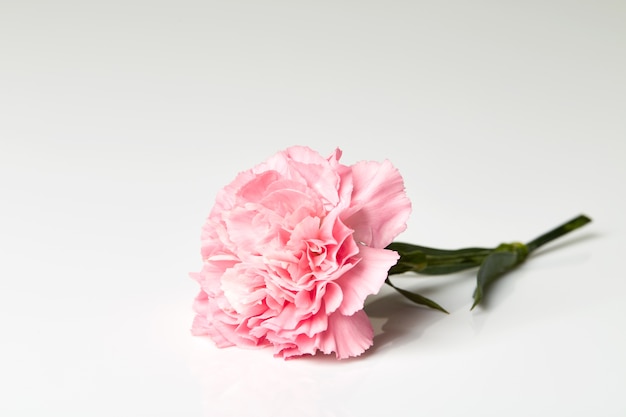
x=291 y=250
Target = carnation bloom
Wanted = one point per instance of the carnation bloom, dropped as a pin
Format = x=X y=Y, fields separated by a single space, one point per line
x=291 y=250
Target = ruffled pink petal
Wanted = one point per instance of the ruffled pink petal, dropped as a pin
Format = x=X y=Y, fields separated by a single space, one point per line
x=201 y=303
x=226 y=334
x=283 y=162
x=332 y=298
x=218 y=331
x=209 y=277
x=200 y=326
x=365 y=278
x=322 y=179
x=227 y=196
x=341 y=245
x=347 y=336
x=305 y=155
x=286 y=202
x=287 y=319
x=298 y=346
x=380 y=207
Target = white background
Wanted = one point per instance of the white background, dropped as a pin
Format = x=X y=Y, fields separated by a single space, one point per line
x=120 y=121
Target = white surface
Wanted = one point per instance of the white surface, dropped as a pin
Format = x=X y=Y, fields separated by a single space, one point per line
x=119 y=122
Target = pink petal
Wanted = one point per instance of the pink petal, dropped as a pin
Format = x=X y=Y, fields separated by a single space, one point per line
x=380 y=207
x=200 y=326
x=322 y=179
x=332 y=298
x=365 y=278
x=347 y=335
x=225 y=334
x=305 y=155
x=201 y=303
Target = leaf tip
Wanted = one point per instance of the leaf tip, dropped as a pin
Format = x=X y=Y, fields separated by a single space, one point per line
x=478 y=297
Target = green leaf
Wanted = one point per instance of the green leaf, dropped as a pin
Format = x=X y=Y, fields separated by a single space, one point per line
x=403 y=248
x=409 y=262
x=417 y=298
x=504 y=258
x=450 y=268
x=430 y=261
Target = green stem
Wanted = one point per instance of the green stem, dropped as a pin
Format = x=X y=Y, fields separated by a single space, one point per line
x=492 y=263
x=557 y=232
